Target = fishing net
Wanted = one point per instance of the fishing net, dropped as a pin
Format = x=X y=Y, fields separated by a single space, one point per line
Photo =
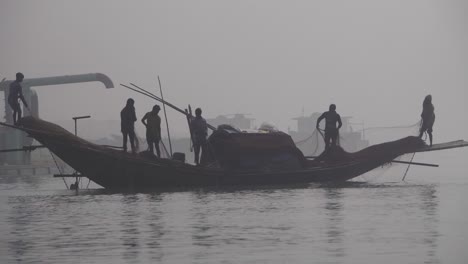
x=385 y=133
x=313 y=145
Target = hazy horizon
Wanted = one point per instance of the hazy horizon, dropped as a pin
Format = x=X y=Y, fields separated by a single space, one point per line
x=375 y=60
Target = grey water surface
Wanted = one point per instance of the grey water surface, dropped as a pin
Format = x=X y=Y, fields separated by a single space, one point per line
x=375 y=219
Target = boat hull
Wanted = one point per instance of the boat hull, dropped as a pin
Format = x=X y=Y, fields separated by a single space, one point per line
x=113 y=169
x=118 y=170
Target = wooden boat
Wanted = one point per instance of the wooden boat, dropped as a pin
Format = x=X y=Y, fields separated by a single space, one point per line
x=114 y=169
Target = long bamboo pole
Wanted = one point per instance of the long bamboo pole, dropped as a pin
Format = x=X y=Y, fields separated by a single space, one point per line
x=165 y=116
x=135 y=90
x=158 y=98
x=148 y=94
x=190 y=130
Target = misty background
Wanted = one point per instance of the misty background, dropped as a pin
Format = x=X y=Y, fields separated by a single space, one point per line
x=376 y=60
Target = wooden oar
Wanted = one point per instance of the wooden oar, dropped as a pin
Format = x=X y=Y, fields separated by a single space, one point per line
x=416 y=163
x=395 y=161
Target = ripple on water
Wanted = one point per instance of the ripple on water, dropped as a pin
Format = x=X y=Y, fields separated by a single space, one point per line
x=330 y=223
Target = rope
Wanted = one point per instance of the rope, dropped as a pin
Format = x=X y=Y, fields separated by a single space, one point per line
x=316 y=143
x=212 y=152
x=306 y=139
x=391 y=127
x=58 y=168
x=309 y=137
x=407 y=168
x=314 y=134
x=340 y=138
x=165 y=149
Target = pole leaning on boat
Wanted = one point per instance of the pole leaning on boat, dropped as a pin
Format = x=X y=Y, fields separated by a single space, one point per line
x=165 y=116
x=150 y=95
x=190 y=129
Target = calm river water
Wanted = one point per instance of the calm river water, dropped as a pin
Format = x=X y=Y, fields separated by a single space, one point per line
x=376 y=219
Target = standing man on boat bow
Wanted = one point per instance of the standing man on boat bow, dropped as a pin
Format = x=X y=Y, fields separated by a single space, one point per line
x=428 y=118
x=199 y=134
x=152 y=122
x=127 y=124
x=15 y=94
x=331 y=131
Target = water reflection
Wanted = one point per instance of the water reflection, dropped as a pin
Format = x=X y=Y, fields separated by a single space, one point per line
x=130 y=226
x=430 y=223
x=29 y=181
x=20 y=219
x=328 y=223
x=154 y=220
x=201 y=235
x=335 y=228
x=417 y=225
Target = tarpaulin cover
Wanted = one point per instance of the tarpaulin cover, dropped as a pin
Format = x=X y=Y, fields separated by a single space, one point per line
x=273 y=150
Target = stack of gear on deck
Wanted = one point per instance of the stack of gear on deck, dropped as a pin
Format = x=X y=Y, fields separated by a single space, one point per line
x=260 y=151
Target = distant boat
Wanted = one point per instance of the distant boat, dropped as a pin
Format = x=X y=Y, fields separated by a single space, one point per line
x=237 y=159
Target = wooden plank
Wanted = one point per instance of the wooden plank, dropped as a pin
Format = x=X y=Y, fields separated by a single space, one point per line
x=442 y=146
x=68 y=176
x=396 y=161
x=415 y=163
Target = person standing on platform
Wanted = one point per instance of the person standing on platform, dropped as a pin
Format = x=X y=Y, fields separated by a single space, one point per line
x=199 y=134
x=127 y=124
x=15 y=94
x=428 y=118
x=152 y=122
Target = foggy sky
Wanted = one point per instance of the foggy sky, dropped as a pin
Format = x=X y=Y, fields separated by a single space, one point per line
x=375 y=59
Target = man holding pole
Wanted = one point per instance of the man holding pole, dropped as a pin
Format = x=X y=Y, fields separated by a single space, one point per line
x=16 y=93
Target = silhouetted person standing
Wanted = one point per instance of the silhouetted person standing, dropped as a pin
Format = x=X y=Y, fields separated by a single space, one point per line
x=428 y=118
x=331 y=131
x=127 y=124
x=199 y=134
x=152 y=122
x=16 y=93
